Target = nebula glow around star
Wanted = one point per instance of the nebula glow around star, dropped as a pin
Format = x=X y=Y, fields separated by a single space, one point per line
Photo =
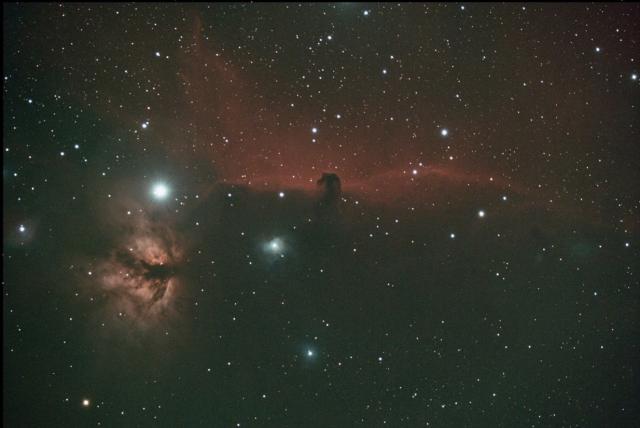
x=275 y=246
x=321 y=214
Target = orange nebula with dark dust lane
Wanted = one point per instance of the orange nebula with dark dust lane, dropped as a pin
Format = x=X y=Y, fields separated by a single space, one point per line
x=140 y=275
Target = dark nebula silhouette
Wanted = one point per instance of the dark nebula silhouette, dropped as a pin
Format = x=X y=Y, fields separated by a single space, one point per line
x=330 y=189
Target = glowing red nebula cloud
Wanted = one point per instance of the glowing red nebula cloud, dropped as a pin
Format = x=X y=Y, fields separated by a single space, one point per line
x=265 y=145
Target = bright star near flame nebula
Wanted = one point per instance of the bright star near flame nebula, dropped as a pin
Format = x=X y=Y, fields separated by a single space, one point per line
x=160 y=190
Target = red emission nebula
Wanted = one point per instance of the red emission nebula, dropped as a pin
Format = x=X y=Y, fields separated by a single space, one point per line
x=275 y=144
x=267 y=142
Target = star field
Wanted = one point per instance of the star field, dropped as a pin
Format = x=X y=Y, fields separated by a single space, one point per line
x=321 y=215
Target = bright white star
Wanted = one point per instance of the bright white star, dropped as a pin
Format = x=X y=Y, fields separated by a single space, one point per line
x=275 y=246
x=160 y=191
x=481 y=213
x=444 y=132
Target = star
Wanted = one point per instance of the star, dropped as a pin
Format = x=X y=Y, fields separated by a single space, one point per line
x=597 y=49
x=481 y=213
x=86 y=402
x=444 y=132
x=452 y=236
x=634 y=76
x=275 y=246
x=160 y=190
x=314 y=130
x=281 y=195
x=309 y=353
x=21 y=228
x=365 y=13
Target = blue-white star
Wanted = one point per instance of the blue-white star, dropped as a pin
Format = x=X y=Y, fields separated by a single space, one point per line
x=160 y=191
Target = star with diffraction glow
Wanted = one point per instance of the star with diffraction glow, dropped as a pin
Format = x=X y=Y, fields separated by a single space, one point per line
x=160 y=191
x=275 y=246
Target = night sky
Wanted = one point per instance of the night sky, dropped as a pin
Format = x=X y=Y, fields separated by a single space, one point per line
x=321 y=215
